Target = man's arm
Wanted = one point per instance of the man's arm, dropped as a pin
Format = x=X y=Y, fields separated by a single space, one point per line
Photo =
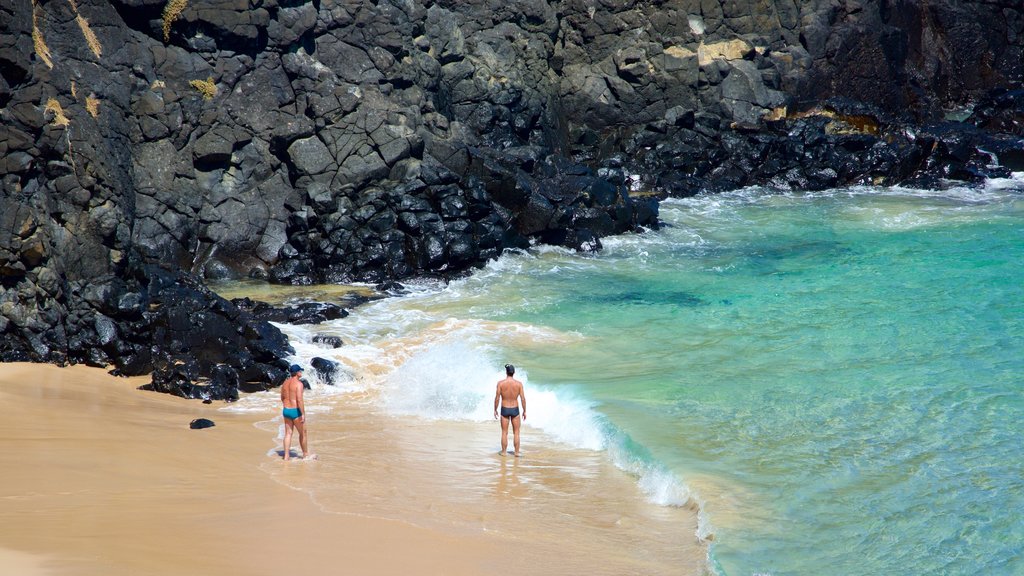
x=522 y=396
x=497 y=398
x=302 y=404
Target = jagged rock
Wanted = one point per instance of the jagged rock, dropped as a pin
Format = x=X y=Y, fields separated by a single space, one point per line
x=745 y=96
x=326 y=370
x=1000 y=111
x=390 y=287
x=200 y=423
x=303 y=313
x=329 y=341
x=200 y=345
x=310 y=155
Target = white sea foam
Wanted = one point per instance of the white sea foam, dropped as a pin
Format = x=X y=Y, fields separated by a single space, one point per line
x=425 y=365
x=450 y=372
x=661 y=486
x=1014 y=183
x=886 y=208
x=454 y=379
x=419 y=355
x=446 y=381
x=545 y=249
x=993 y=189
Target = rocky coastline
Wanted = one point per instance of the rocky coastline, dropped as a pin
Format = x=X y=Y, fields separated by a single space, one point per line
x=147 y=146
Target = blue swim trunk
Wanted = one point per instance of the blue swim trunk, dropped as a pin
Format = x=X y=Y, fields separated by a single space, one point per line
x=291 y=413
x=510 y=412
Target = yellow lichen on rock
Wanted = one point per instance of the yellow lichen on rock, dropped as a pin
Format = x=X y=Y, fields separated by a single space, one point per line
x=92 y=104
x=37 y=38
x=59 y=119
x=172 y=12
x=205 y=87
x=90 y=36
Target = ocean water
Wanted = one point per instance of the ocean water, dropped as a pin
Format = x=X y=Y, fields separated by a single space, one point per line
x=834 y=380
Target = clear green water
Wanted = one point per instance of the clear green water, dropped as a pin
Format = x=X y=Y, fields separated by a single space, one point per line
x=836 y=377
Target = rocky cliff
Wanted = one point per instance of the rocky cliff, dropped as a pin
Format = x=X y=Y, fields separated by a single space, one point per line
x=147 y=142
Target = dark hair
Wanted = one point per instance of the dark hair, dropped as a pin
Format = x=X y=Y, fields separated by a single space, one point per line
x=509 y=369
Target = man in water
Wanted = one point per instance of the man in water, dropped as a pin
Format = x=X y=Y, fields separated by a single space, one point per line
x=509 y=392
x=294 y=412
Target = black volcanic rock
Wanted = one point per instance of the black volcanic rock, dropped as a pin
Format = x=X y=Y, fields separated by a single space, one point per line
x=202 y=346
x=302 y=313
x=144 y=144
x=326 y=370
x=328 y=341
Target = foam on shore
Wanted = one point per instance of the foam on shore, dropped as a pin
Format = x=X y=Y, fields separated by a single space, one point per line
x=406 y=357
x=447 y=371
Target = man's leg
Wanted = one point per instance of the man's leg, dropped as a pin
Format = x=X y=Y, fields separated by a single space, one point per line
x=289 y=426
x=515 y=432
x=302 y=437
x=504 y=434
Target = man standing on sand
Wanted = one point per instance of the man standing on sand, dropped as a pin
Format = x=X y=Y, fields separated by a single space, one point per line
x=294 y=412
x=509 y=392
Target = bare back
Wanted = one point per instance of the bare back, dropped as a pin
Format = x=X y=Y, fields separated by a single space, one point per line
x=291 y=392
x=510 y=390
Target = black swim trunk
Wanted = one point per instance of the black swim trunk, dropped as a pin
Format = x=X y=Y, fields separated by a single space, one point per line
x=510 y=412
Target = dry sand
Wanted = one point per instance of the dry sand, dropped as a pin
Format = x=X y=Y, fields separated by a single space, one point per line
x=100 y=478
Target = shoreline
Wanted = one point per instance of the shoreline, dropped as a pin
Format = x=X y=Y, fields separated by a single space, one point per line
x=102 y=477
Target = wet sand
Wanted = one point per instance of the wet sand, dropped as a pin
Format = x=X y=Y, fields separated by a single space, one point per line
x=101 y=478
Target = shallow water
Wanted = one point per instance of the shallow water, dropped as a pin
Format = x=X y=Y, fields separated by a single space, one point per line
x=834 y=377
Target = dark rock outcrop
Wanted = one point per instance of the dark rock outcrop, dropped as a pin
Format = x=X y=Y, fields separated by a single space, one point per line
x=326 y=370
x=193 y=342
x=201 y=423
x=328 y=341
x=306 y=141
x=301 y=313
x=836 y=144
x=792 y=94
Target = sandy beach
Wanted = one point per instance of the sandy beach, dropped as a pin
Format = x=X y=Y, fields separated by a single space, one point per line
x=101 y=478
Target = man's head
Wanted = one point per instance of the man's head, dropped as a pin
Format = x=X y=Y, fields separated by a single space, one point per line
x=509 y=369
x=295 y=369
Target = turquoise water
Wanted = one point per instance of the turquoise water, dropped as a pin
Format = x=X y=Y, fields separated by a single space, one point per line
x=835 y=377
x=851 y=366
